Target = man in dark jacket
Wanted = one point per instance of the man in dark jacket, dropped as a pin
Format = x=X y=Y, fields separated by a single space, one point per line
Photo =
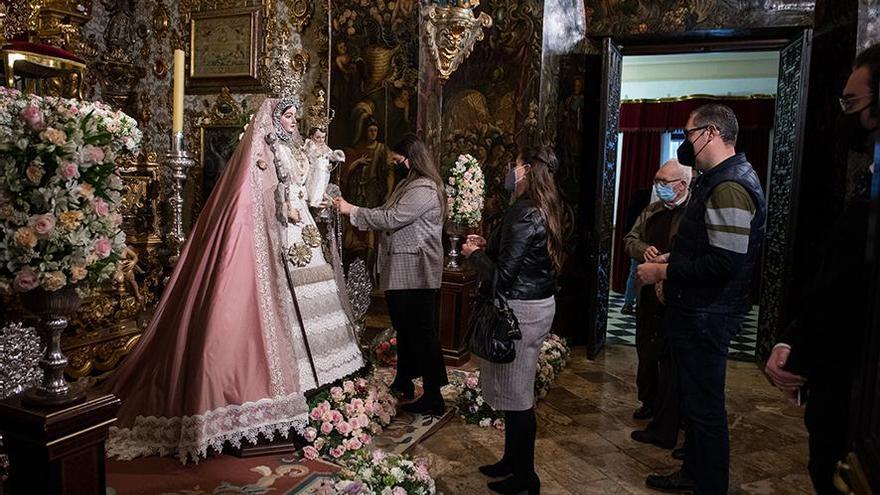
x=820 y=352
x=651 y=237
x=706 y=286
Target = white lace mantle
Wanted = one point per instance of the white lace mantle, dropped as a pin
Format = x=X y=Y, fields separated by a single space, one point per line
x=189 y=437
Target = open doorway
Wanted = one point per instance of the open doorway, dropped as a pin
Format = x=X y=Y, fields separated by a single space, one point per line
x=657 y=94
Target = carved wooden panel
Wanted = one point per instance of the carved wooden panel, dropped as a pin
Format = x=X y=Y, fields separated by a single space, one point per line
x=794 y=63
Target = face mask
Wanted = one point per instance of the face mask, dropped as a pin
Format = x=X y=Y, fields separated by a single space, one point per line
x=510 y=180
x=686 y=154
x=857 y=137
x=665 y=192
x=401 y=170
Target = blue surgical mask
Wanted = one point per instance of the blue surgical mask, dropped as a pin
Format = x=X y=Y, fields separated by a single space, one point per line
x=665 y=192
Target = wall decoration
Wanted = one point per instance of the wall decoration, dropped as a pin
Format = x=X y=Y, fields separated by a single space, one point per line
x=225 y=48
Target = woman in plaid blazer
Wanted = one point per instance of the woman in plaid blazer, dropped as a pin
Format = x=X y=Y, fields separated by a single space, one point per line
x=410 y=262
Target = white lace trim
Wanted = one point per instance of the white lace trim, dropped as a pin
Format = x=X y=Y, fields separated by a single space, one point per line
x=311 y=291
x=189 y=437
x=339 y=365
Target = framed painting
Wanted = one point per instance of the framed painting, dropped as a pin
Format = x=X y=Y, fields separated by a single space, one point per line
x=225 y=50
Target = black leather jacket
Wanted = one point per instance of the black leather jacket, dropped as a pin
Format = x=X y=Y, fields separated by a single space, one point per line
x=517 y=251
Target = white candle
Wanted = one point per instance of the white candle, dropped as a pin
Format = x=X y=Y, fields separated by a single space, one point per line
x=177 y=108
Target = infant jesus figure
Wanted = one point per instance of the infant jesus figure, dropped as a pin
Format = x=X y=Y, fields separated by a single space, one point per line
x=322 y=161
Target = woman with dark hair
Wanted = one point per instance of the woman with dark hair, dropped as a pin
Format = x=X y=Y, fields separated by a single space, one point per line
x=410 y=264
x=522 y=256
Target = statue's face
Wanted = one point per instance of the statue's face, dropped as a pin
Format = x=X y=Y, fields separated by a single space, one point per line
x=288 y=120
x=319 y=137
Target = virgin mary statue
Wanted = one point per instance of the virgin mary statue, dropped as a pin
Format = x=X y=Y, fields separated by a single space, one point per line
x=252 y=317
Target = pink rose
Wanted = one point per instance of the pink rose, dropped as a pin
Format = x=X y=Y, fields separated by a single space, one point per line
x=337 y=416
x=366 y=439
x=26 y=279
x=337 y=452
x=361 y=383
x=319 y=443
x=310 y=452
x=363 y=420
x=103 y=247
x=378 y=456
x=326 y=428
x=42 y=224
x=348 y=386
x=327 y=416
x=354 y=444
x=399 y=490
x=33 y=117
x=472 y=381
x=310 y=434
x=316 y=414
x=336 y=393
x=343 y=427
x=117 y=219
x=101 y=207
x=355 y=423
x=55 y=136
x=92 y=154
x=69 y=170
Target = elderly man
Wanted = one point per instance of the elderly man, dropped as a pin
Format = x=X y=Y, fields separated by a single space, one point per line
x=650 y=239
x=707 y=288
x=821 y=351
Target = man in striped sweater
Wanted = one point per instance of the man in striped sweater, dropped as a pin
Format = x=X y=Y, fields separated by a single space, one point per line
x=706 y=282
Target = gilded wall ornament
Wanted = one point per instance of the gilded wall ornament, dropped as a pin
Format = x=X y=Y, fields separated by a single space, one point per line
x=451 y=32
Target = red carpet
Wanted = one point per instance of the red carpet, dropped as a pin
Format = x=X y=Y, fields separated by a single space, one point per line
x=216 y=475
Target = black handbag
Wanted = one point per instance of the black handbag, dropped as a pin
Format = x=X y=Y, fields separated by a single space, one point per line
x=493 y=327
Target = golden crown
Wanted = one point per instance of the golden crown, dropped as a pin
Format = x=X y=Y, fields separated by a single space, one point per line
x=318 y=117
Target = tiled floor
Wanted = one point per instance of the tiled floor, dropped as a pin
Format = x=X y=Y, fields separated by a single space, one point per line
x=583 y=444
x=622 y=330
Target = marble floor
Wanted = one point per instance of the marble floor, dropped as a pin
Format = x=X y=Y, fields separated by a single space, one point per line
x=583 y=444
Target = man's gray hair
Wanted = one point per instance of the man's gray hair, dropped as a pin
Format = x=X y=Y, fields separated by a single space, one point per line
x=677 y=170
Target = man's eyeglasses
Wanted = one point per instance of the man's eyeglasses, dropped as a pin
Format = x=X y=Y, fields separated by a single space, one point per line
x=847 y=102
x=688 y=131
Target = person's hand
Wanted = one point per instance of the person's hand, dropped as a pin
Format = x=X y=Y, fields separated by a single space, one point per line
x=663 y=258
x=787 y=381
x=343 y=206
x=477 y=240
x=650 y=273
x=651 y=253
x=468 y=248
x=658 y=290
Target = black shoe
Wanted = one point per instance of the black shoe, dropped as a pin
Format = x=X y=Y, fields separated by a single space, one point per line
x=517 y=484
x=643 y=436
x=403 y=391
x=678 y=454
x=628 y=309
x=643 y=413
x=673 y=483
x=433 y=405
x=500 y=469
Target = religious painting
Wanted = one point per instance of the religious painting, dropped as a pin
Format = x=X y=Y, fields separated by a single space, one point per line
x=570 y=126
x=224 y=50
x=490 y=103
x=373 y=75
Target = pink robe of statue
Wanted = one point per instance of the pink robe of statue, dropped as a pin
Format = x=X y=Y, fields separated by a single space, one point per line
x=236 y=339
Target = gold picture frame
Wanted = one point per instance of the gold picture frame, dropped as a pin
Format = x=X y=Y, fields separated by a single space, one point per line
x=225 y=50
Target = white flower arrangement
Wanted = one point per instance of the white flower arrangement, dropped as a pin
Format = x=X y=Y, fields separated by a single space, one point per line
x=552 y=359
x=378 y=473
x=59 y=191
x=344 y=419
x=466 y=187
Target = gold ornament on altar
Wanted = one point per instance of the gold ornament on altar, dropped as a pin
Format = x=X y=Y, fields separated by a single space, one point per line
x=299 y=254
x=451 y=32
x=311 y=236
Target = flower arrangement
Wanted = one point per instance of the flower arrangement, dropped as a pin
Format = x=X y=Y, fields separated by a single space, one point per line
x=385 y=348
x=552 y=359
x=465 y=191
x=469 y=401
x=343 y=419
x=59 y=193
x=369 y=473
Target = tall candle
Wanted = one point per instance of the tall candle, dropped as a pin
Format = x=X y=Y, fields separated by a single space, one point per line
x=177 y=109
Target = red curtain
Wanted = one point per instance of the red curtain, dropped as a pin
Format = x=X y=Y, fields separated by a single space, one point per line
x=754 y=113
x=639 y=161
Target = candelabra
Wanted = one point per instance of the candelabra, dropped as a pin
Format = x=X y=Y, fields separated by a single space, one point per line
x=178 y=161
